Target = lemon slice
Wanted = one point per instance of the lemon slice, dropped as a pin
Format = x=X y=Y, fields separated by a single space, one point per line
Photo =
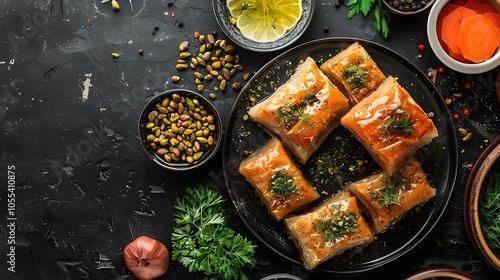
x=265 y=20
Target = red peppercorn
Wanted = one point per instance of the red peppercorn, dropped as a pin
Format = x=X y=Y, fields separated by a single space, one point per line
x=466 y=112
x=456 y=116
x=441 y=70
x=421 y=47
x=468 y=85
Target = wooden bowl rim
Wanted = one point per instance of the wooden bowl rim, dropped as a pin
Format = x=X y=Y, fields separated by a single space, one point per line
x=471 y=201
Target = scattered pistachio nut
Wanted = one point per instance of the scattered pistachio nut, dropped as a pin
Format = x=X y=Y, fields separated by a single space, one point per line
x=181 y=66
x=467 y=137
x=115 y=5
x=185 y=55
x=462 y=131
x=215 y=57
x=183 y=46
x=210 y=39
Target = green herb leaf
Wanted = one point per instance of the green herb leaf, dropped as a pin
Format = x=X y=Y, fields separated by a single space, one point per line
x=389 y=194
x=489 y=207
x=365 y=6
x=202 y=242
x=380 y=24
x=398 y=123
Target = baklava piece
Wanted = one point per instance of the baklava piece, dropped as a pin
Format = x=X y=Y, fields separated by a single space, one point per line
x=354 y=71
x=277 y=180
x=390 y=125
x=328 y=230
x=303 y=111
x=386 y=199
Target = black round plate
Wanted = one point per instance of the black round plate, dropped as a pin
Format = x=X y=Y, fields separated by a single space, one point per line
x=439 y=158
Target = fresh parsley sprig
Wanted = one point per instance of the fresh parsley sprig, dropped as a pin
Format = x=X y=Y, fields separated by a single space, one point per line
x=365 y=6
x=202 y=242
x=489 y=208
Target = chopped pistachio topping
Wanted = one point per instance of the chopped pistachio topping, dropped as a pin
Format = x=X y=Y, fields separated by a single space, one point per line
x=283 y=184
x=290 y=113
x=342 y=224
x=356 y=76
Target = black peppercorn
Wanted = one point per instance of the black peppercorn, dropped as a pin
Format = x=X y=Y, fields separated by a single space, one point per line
x=157 y=27
x=170 y=3
x=326 y=29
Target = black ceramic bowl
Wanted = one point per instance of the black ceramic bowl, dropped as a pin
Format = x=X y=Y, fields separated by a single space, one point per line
x=180 y=130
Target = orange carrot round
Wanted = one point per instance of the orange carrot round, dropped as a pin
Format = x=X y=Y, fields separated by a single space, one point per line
x=494 y=17
x=478 y=38
x=451 y=23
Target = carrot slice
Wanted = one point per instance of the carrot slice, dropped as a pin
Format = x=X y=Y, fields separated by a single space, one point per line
x=448 y=8
x=451 y=23
x=474 y=4
x=458 y=57
x=478 y=38
x=483 y=8
x=494 y=17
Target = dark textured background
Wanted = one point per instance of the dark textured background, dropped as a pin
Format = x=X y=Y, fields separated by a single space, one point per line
x=84 y=187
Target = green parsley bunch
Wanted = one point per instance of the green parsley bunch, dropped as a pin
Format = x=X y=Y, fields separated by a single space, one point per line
x=203 y=243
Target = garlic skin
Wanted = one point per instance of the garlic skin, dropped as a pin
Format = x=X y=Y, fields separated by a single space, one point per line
x=146 y=258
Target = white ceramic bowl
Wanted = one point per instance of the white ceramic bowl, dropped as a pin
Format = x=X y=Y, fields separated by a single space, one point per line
x=467 y=68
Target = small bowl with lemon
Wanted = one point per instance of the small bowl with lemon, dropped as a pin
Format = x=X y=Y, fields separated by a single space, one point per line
x=264 y=25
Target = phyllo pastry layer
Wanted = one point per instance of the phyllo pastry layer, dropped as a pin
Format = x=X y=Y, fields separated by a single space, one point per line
x=303 y=111
x=277 y=180
x=386 y=199
x=328 y=230
x=390 y=125
x=354 y=71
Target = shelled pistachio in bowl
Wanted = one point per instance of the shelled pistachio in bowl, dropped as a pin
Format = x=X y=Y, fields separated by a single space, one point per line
x=180 y=129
